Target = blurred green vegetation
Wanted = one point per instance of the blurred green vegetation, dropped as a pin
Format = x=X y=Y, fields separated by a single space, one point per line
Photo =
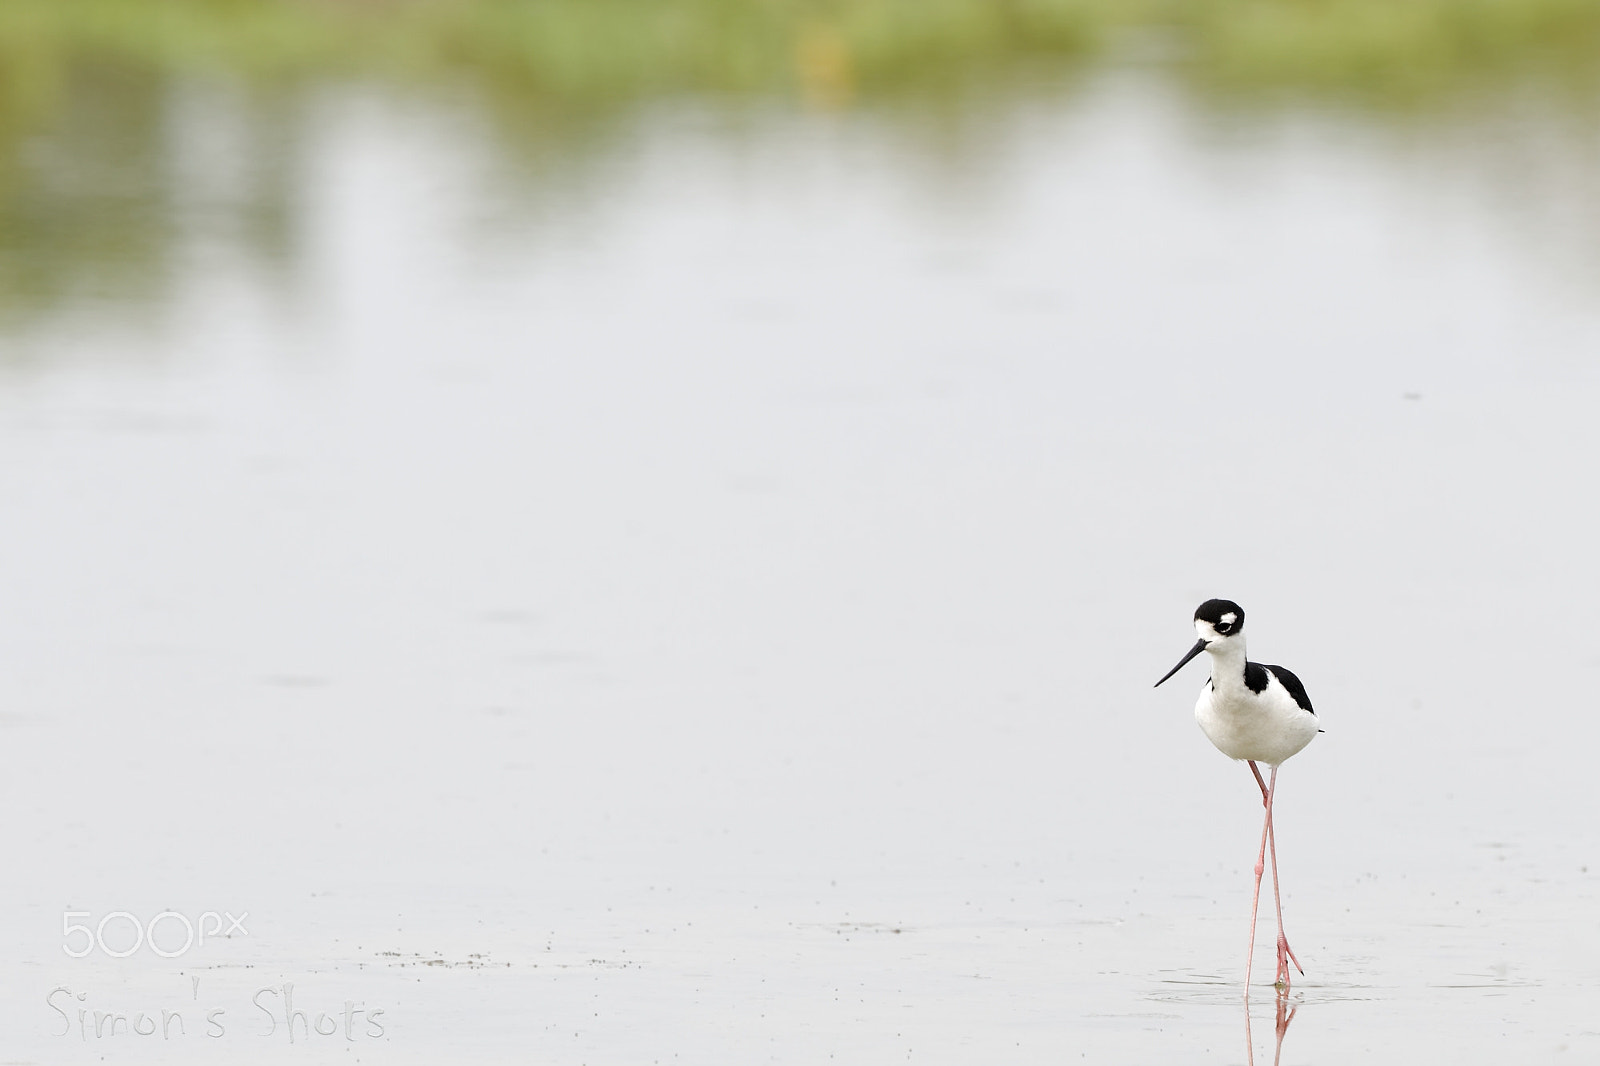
x=596 y=50
x=578 y=50
x=1397 y=52
x=92 y=197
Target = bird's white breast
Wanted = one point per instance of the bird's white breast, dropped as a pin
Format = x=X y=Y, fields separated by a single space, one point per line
x=1266 y=726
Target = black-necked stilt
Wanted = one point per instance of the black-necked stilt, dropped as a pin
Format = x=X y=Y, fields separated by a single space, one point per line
x=1256 y=713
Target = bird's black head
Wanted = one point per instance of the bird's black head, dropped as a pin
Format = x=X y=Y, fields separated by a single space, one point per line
x=1219 y=625
x=1224 y=616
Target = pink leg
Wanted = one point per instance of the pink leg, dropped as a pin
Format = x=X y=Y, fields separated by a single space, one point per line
x=1285 y=953
x=1255 y=896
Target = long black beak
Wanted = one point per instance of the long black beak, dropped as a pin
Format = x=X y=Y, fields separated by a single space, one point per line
x=1199 y=646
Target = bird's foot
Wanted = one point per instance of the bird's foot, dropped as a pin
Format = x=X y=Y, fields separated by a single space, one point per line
x=1285 y=950
x=1285 y=956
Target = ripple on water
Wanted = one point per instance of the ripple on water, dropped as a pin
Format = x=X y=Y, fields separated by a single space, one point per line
x=1215 y=990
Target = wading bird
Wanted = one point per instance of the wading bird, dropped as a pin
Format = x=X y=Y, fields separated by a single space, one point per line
x=1257 y=713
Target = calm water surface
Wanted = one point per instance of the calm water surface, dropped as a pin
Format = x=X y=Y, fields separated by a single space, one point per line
x=689 y=589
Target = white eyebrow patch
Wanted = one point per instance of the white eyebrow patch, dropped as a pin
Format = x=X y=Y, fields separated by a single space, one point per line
x=1229 y=618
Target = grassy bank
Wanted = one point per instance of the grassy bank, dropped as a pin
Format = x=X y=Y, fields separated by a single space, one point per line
x=1398 y=50
x=834 y=50
x=89 y=196
x=578 y=50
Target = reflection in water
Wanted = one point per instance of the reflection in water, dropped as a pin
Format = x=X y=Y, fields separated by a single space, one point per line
x=1286 y=1015
x=117 y=160
x=133 y=171
x=132 y=178
x=119 y=166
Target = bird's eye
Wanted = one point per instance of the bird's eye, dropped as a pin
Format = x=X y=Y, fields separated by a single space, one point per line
x=1223 y=627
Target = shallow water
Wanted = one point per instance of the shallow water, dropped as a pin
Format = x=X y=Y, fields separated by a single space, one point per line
x=696 y=597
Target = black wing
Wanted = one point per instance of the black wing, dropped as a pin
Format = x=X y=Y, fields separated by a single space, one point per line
x=1292 y=683
x=1255 y=677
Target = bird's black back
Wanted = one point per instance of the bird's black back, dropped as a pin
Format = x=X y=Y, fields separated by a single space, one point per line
x=1290 y=682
